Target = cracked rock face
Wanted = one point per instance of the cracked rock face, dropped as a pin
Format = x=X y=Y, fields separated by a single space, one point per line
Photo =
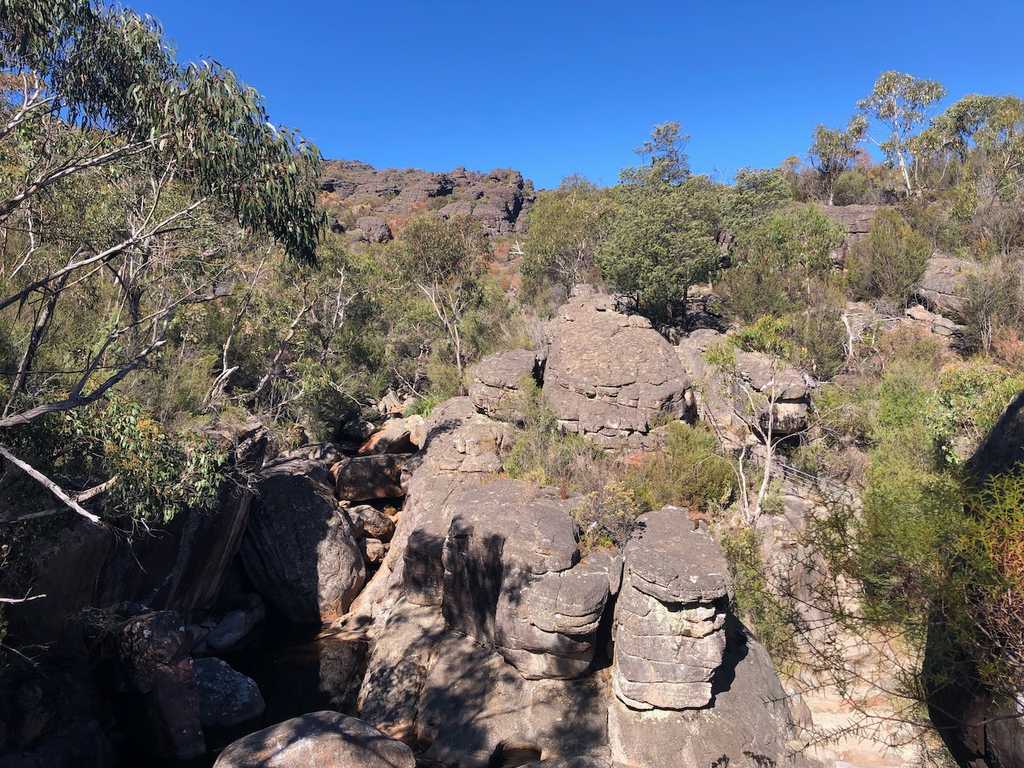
x=611 y=377
x=495 y=383
x=670 y=617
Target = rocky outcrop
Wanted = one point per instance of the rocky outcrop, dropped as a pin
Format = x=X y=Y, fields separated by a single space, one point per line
x=495 y=383
x=691 y=687
x=509 y=580
x=322 y=739
x=611 y=377
x=474 y=708
x=396 y=436
x=721 y=400
x=855 y=219
x=497 y=200
x=943 y=286
x=374 y=228
x=670 y=617
x=300 y=550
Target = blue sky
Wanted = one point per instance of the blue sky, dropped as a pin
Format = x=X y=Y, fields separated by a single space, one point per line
x=553 y=88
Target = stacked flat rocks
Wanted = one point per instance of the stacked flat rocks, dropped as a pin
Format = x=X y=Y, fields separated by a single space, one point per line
x=611 y=377
x=495 y=383
x=512 y=579
x=670 y=618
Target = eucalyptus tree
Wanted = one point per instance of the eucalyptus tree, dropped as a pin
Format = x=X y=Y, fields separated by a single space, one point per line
x=129 y=186
x=901 y=102
x=833 y=150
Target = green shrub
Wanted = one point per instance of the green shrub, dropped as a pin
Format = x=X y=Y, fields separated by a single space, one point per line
x=970 y=398
x=889 y=261
x=688 y=472
x=755 y=602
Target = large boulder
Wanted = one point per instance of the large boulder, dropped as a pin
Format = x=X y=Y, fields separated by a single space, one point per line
x=396 y=436
x=375 y=228
x=321 y=739
x=774 y=388
x=509 y=579
x=855 y=219
x=748 y=725
x=611 y=377
x=943 y=286
x=495 y=383
x=300 y=551
x=226 y=696
x=475 y=709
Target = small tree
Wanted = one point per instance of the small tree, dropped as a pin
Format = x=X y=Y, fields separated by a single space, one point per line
x=566 y=227
x=832 y=151
x=664 y=236
x=443 y=259
x=900 y=101
x=665 y=156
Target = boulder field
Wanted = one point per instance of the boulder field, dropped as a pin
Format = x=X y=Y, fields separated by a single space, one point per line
x=489 y=636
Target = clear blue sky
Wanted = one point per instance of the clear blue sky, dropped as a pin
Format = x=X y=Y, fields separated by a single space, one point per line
x=553 y=88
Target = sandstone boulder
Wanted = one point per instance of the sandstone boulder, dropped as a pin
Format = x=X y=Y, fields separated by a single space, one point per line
x=495 y=383
x=670 y=616
x=611 y=377
x=371 y=522
x=855 y=219
x=691 y=687
x=396 y=436
x=509 y=579
x=375 y=228
x=725 y=401
x=943 y=286
x=321 y=739
x=300 y=551
x=475 y=708
x=226 y=696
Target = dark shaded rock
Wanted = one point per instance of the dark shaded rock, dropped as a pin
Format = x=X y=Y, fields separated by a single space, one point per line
x=371 y=522
x=321 y=739
x=495 y=383
x=361 y=478
x=81 y=745
x=226 y=697
x=611 y=377
x=300 y=551
x=153 y=650
x=375 y=228
x=235 y=626
x=475 y=707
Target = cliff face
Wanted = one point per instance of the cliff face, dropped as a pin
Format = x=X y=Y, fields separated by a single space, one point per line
x=369 y=203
